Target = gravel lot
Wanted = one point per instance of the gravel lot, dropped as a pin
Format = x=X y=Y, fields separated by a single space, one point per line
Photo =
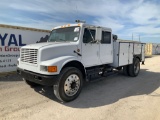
x=116 y=97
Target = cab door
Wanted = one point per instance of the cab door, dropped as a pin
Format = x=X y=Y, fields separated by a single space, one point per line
x=90 y=49
x=106 y=48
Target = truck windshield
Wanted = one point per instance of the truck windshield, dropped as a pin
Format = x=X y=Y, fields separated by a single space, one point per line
x=65 y=34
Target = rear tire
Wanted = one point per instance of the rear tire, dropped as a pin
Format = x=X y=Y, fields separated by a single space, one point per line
x=134 y=68
x=69 y=84
x=32 y=84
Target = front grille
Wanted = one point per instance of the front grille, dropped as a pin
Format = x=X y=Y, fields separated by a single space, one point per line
x=29 y=55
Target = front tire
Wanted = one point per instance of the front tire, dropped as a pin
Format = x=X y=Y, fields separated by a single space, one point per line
x=69 y=84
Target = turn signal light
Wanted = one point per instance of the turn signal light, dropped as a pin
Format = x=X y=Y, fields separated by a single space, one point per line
x=52 y=68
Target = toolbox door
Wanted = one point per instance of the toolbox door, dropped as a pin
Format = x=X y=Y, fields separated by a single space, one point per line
x=123 y=54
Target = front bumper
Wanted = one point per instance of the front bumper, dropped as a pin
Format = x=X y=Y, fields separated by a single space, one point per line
x=47 y=80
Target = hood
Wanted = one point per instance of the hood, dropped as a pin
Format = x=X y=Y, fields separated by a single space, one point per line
x=51 y=50
x=48 y=44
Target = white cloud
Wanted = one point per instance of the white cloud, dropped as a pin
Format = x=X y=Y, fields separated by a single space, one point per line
x=108 y=22
x=116 y=14
x=146 y=29
x=72 y=9
x=144 y=12
x=41 y=24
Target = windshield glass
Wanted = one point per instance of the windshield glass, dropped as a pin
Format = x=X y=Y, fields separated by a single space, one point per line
x=65 y=34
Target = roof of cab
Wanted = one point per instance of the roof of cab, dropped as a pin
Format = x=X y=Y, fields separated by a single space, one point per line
x=81 y=24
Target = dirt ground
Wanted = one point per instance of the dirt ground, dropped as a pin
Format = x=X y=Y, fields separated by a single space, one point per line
x=116 y=97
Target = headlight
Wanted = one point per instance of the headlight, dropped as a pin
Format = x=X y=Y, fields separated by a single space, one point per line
x=43 y=68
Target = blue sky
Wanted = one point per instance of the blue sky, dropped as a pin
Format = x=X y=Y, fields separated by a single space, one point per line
x=125 y=17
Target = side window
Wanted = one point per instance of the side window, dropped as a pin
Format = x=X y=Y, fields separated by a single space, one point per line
x=87 y=37
x=106 y=37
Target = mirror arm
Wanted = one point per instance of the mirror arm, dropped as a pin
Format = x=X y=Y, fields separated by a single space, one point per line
x=91 y=35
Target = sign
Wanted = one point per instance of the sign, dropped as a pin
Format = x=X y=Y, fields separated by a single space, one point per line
x=11 y=40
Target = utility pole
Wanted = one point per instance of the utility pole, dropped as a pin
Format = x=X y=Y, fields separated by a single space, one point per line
x=132 y=36
x=139 y=38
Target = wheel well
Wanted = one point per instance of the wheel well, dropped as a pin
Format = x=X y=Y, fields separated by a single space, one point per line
x=77 y=65
x=137 y=57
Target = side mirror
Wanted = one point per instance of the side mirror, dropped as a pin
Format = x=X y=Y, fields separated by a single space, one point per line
x=115 y=37
x=98 y=36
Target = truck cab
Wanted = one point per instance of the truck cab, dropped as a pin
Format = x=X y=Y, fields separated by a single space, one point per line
x=74 y=53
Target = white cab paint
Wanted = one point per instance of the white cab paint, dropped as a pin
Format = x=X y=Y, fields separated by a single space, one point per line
x=90 y=54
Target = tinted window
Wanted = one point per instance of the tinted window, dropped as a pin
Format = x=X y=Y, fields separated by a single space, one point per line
x=106 y=37
x=87 y=37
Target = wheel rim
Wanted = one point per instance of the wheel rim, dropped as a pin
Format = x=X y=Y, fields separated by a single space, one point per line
x=136 y=67
x=71 y=85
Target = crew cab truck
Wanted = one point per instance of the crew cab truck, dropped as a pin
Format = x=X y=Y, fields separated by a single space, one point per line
x=76 y=53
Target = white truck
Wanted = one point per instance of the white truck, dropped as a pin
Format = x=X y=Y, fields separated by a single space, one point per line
x=75 y=53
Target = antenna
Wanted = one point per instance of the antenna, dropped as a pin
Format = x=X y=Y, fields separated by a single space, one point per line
x=80 y=21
